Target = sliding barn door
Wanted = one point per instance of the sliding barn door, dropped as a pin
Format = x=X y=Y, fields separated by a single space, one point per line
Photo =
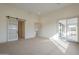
x=12 y=29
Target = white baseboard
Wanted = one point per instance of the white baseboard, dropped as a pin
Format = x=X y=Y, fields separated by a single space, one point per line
x=30 y=38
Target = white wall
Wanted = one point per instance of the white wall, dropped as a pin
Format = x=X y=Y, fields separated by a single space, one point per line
x=16 y=12
x=50 y=21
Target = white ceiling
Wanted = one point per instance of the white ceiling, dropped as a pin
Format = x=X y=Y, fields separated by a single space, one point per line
x=39 y=8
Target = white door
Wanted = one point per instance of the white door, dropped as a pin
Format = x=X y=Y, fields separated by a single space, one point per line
x=12 y=29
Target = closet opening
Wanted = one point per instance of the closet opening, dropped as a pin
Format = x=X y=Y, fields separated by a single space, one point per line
x=21 y=30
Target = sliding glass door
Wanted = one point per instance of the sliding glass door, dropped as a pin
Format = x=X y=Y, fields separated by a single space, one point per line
x=62 y=29
x=68 y=29
x=72 y=29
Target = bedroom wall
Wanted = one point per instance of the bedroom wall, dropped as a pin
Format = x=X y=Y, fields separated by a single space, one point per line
x=50 y=20
x=6 y=10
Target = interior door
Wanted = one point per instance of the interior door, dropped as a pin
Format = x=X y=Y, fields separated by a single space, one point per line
x=12 y=29
x=21 y=29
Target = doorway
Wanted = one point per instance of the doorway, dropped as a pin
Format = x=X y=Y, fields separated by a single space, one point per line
x=62 y=29
x=21 y=30
x=12 y=29
x=16 y=28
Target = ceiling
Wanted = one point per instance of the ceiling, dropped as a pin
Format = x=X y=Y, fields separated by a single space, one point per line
x=39 y=8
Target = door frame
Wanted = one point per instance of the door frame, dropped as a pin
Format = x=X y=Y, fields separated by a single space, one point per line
x=7 y=17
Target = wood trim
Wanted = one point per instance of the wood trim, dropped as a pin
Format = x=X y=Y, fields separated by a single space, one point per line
x=21 y=29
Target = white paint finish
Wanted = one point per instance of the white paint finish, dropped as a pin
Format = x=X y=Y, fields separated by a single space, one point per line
x=3 y=30
x=50 y=22
x=39 y=8
x=30 y=28
x=15 y=12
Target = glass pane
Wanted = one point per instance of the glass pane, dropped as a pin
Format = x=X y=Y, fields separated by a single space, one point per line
x=62 y=29
x=12 y=29
x=72 y=29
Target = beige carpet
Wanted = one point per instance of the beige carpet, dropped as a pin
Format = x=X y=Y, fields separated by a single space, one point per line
x=35 y=46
